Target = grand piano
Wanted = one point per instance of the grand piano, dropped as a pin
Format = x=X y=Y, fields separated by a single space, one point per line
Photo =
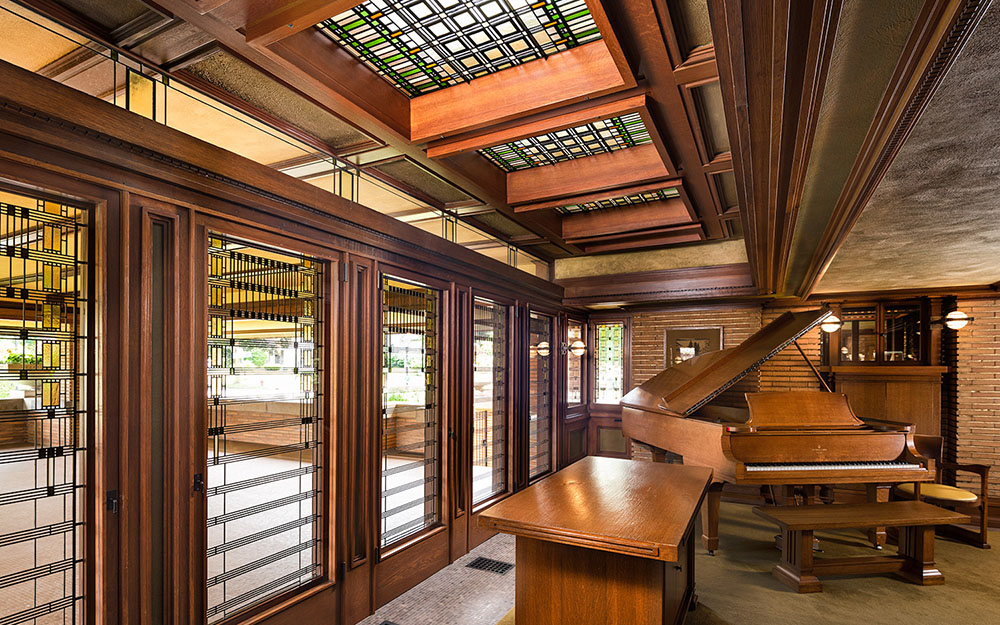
x=785 y=439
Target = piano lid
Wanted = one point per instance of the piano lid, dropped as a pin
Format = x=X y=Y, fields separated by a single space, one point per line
x=684 y=388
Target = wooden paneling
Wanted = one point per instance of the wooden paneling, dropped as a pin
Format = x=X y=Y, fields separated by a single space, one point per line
x=895 y=393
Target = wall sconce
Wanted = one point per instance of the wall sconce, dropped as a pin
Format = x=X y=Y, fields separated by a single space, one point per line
x=955 y=320
x=831 y=324
x=543 y=349
x=577 y=348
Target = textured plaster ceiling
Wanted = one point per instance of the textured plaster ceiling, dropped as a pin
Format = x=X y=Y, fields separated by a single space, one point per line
x=935 y=219
x=680 y=257
x=233 y=75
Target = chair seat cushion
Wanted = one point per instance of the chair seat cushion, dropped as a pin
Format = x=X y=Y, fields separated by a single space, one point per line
x=940 y=492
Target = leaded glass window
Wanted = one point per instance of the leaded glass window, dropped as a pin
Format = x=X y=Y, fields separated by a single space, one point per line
x=264 y=424
x=43 y=410
x=626 y=200
x=539 y=395
x=426 y=45
x=489 y=400
x=410 y=443
x=574 y=365
x=607 y=135
x=609 y=359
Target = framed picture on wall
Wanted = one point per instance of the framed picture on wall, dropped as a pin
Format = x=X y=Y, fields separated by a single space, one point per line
x=679 y=344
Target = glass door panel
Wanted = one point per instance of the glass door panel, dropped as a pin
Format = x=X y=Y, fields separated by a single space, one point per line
x=489 y=400
x=263 y=474
x=410 y=459
x=539 y=395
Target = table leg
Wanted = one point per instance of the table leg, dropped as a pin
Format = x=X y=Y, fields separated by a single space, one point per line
x=710 y=518
x=796 y=567
x=916 y=544
x=877 y=493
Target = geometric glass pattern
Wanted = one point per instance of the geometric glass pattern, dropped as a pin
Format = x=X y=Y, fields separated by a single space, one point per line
x=263 y=483
x=609 y=363
x=539 y=394
x=489 y=381
x=635 y=198
x=411 y=463
x=425 y=45
x=42 y=410
x=608 y=135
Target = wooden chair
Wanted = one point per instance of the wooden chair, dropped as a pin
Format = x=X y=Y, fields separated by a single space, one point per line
x=949 y=496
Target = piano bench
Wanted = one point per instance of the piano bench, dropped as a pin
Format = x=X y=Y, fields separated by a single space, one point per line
x=800 y=570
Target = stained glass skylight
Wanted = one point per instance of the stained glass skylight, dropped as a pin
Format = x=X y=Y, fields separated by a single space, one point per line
x=607 y=135
x=626 y=200
x=425 y=45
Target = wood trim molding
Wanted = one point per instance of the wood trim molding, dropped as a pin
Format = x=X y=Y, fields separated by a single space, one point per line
x=787 y=45
x=695 y=283
x=291 y=17
x=941 y=31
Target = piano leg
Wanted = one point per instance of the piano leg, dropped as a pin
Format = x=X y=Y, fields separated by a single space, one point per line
x=710 y=518
x=877 y=493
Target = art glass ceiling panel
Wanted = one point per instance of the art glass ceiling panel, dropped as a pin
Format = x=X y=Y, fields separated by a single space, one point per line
x=606 y=135
x=625 y=200
x=421 y=46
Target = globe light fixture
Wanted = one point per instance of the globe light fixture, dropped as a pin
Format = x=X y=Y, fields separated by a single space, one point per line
x=956 y=320
x=578 y=348
x=543 y=349
x=831 y=324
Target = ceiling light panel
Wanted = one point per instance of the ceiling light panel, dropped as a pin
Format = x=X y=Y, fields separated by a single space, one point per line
x=606 y=135
x=625 y=200
x=421 y=46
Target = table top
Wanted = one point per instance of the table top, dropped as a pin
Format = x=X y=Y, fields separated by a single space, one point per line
x=624 y=506
x=842 y=516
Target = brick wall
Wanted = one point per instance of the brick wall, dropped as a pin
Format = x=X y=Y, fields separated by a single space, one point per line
x=974 y=393
x=787 y=371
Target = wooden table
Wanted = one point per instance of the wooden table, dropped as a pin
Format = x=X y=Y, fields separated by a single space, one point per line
x=604 y=541
x=800 y=570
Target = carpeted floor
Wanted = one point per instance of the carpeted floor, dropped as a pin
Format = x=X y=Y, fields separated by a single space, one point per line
x=735 y=587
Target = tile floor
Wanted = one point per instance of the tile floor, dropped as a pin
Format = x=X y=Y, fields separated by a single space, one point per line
x=457 y=595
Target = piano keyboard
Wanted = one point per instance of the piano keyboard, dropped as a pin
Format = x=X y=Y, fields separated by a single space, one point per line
x=832 y=466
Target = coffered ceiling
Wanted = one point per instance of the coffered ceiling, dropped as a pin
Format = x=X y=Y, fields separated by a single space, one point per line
x=584 y=127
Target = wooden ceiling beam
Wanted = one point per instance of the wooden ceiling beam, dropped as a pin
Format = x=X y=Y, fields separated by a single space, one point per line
x=570 y=76
x=533 y=126
x=653 y=238
x=611 y=170
x=941 y=31
x=265 y=27
x=772 y=57
x=699 y=283
x=598 y=196
x=625 y=219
